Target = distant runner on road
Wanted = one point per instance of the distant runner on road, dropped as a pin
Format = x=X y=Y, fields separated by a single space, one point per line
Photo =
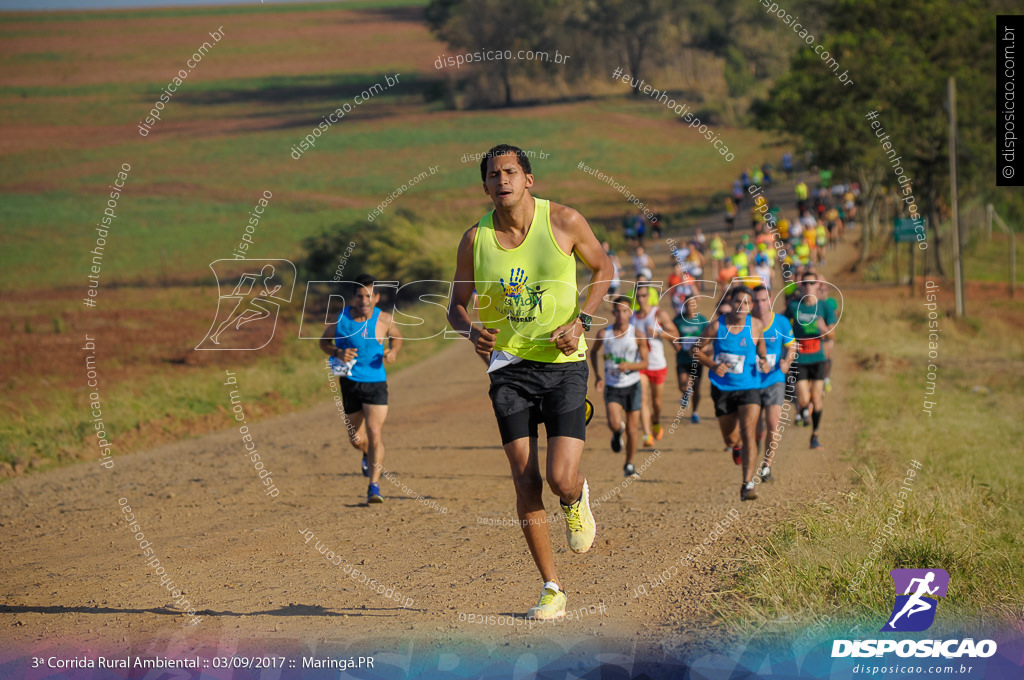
x=690 y=325
x=733 y=350
x=623 y=349
x=654 y=324
x=812 y=321
x=357 y=341
x=780 y=348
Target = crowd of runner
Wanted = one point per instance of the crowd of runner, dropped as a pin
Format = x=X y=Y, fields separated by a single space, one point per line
x=516 y=299
x=766 y=370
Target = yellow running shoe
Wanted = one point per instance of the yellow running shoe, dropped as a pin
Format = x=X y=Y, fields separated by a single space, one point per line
x=551 y=605
x=648 y=440
x=658 y=432
x=580 y=528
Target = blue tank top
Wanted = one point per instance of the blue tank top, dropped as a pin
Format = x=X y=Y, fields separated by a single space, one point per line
x=777 y=336
x=362 y=335
x=738 y=352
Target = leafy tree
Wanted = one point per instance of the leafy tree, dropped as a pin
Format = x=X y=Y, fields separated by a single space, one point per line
x=899 y=56
x=638 y=31
x=482 y=25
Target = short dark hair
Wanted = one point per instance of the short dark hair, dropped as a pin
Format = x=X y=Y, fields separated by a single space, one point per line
x=759 y=288
x=365 y=281
x=501 y=150
x=623 y=300
x=740 y=290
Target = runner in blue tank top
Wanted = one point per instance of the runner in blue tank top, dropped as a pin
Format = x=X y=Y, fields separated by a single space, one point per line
x=734 y=351
x=781 y=350
x=356 y=347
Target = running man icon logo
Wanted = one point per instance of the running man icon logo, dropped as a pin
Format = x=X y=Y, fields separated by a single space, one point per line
x=253 y=302
x=917 y=591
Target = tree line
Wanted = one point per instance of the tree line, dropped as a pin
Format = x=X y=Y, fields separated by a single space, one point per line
x=899 y=56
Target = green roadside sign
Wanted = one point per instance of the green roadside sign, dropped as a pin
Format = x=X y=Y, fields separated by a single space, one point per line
x=905 y=230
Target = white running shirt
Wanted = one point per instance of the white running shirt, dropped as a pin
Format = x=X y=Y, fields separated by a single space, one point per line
x=651 y=329
x=619 y=350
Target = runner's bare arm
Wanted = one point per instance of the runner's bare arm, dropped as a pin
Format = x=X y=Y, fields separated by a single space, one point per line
x=667 y=327
x=641 y=344
x=757 y=331
x=394 y=337
x=595 y=360
x=705 y=355
x=573 y=234
x=328 y=347
x=790 y=356
x=327 y=342
x=824 y=328
x=462 y=293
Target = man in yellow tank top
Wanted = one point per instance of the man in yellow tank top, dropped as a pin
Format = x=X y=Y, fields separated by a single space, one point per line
x=520 y=259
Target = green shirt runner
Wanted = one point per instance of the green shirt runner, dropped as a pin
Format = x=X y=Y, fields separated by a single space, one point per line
x=804 y=318
x=690 y=331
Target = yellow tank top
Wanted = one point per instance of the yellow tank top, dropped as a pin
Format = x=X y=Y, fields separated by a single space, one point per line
x=527 y=291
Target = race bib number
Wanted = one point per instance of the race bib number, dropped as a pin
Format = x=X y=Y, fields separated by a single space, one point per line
x=773 y=360
x=810 y=345
x=733 y=362
x=340 y=368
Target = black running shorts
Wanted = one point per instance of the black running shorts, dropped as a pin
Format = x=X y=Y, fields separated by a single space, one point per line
x=696 y=369
x=528 y=393
x=355 y=394
x=814 y=371
x=728 y=402
x=629 y=398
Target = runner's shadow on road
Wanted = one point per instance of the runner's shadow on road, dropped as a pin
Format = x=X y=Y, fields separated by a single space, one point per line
x=290 y=610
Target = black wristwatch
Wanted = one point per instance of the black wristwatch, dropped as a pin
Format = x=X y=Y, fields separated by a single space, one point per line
x=586 y=319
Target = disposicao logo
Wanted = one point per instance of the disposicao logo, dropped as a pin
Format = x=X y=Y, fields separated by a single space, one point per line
x=914 y=610
x=917 y=593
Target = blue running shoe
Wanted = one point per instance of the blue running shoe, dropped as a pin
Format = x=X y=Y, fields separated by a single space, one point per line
x=373 y=494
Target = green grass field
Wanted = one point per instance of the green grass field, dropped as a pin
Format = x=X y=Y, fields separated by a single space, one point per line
x=226 y=137
x=147 y=400
x=187 y=200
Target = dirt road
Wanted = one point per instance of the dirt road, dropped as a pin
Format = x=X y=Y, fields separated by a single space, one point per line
x=285 y=573
x=73 y=575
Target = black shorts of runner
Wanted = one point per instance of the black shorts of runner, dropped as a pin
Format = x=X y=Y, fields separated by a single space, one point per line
x=629 y=398
x=728 y=402
x=794 y=372
x=696 y=369
x=355 y=394
x=815 y=371
x=685 y=365
x=773 y=395
x=532 y=392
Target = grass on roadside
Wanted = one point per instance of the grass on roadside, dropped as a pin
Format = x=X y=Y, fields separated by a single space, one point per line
x=963 y=514
x=181 y=401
